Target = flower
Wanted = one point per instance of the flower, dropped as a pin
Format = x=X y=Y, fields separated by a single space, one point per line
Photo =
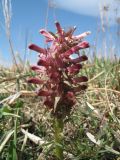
x=60 y=71
x=35 y=81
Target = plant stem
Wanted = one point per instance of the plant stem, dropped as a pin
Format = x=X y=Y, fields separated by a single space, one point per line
x=58 y=133
x=15 y=137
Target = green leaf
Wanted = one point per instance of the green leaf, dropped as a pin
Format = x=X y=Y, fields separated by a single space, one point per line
x=12 y=154
x=112 y=150
x=10 y=114
x=19 y=104
x=6 y=109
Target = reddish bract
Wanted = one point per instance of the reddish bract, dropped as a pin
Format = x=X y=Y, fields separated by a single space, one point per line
x=60 y=69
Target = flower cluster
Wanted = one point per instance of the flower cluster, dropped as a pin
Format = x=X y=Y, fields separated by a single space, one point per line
x=57 y=68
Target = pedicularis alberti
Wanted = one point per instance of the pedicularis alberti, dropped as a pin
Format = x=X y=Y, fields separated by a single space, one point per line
x=59 y=82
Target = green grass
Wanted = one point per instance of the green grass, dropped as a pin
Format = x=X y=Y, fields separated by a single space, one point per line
x=97 y=114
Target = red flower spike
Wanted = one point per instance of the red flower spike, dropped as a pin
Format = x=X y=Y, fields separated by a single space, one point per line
x=55 y=76
x=34 y=68
x=43 y=62
x=79 y=79
x=76 y=48
x=80 y=88
x=74 y=68
x=83 y=45
x=49 y=102
x=70 y=96
x=59 y=69
x=37 y=48
x=59 y=29
x=35 y=81
x=81 y=36
x=44 y=93
x=71 y=51
x=49 y=37
x=79 y=59
x=70 y=32
x=40 y=69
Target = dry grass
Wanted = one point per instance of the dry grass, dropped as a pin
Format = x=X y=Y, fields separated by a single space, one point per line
x=97 y=112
